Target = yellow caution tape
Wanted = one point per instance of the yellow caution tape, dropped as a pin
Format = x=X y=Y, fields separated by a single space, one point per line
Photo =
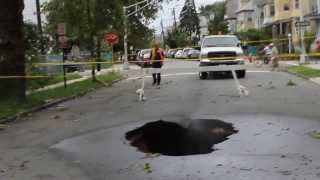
x=24 y=77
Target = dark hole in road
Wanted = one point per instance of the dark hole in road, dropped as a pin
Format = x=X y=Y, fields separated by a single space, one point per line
x=172 y=139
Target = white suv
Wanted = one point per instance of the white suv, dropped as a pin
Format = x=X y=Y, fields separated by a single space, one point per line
x=221 y=50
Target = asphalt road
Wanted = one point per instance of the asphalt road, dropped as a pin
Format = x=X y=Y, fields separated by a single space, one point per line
x=83 y=139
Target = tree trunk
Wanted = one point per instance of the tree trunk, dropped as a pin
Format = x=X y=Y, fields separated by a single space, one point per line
x=98 y=53
x=12 y=50
x=91 y=43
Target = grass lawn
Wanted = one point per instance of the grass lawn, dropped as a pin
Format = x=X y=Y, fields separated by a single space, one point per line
x=10 y=108
x=33 y=84
x=304 y=71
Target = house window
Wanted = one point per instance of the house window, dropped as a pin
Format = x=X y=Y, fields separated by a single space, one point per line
x=249 y=19
x=272 y=10
x=286 y=7
x=297 y=4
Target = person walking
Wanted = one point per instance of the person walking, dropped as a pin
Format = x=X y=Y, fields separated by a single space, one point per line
x=317 y=48
x=157 y=57
x=274 y=56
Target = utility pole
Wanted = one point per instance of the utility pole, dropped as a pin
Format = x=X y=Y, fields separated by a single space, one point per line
x=144 y=4
x=174 y=16
x=318 y=21
x=162 y=34
x=303 y=49
x=40 y=26
x=93 y=67
x=125 y=40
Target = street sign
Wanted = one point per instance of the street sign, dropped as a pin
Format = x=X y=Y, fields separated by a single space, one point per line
x=302 y=23
x=111 y=38
x=63 y=42
x=61 y=30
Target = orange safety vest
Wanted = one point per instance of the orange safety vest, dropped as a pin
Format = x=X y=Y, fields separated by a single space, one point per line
x=154 y=55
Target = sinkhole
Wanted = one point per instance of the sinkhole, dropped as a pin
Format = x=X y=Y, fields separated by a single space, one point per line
x=173 y=139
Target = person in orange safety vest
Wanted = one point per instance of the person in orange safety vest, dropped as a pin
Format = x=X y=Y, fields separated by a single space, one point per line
x=157 y=58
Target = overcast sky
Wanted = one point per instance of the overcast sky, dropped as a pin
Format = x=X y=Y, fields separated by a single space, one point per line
x=166 y=14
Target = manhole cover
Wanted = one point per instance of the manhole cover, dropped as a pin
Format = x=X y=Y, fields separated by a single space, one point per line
x=172 y=139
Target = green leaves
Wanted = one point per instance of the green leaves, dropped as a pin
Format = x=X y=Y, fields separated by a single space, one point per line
x=189 y=20
x=216 y=10
x=87 y=18
x=176 y=38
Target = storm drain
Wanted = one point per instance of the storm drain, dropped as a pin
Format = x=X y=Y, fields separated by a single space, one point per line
x=172 y=139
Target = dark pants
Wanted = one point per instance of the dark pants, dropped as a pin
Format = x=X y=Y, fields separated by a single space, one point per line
x=156 y=78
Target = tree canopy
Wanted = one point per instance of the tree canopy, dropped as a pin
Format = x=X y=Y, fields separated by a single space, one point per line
x=189 y=20
x=215 y=14
x=87 y=20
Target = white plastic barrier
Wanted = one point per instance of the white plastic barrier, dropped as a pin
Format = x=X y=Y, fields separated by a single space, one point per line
x=242 y=90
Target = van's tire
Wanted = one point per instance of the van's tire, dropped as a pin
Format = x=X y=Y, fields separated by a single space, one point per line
x=203 y=75
x=241 y=74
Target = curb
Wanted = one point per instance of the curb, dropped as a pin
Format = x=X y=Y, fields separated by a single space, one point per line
x=303 y=77
x=50 y=104
x=298 y=75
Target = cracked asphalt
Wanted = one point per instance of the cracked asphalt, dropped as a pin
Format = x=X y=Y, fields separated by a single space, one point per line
x=83 y=139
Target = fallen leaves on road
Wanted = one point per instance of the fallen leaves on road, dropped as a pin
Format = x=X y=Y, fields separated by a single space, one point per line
x=147 y=168
x=286 y=173
x=316 y=135
x=270 y=85
x=150 y=156
x=23 y=164
x=245 y=169
x=56 y=117
x=3 y=127
x=60 y=108
x=291 y=83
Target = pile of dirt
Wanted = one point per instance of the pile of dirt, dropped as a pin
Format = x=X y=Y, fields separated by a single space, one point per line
x=172 y=139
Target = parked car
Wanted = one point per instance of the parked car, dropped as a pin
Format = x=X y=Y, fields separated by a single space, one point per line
x=194 y=54
x=133 y=55
x=70 y=67
x=185 y=52
x=144 y=57
x=221 y=46
x=178 y=54
x=170 y=53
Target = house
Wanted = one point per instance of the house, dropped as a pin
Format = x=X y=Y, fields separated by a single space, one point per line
x=287 y=14
x=268 y=12
x=203 y=26
x=249 y=14
x=314 y=15
x=245 y=15
x=231 y=16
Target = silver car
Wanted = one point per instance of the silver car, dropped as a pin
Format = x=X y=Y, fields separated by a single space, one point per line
x=194 y=54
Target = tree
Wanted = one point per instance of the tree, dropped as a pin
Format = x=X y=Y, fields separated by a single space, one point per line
x=12 y=50
x=34 y=43
x=87 y=20
x=176 y=39
x=189 y=20
x=256 y=35
x=217 y=11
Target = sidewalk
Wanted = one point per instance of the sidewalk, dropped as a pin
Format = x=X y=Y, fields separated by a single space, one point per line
x=313 y=66
x=85 y=75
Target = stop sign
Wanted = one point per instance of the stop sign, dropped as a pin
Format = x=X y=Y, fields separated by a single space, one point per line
x=111 y=38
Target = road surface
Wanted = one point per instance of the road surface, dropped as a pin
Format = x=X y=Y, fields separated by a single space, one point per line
x=83 y=139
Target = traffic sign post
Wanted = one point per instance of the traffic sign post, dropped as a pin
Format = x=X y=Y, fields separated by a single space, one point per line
x=302 y=23
x=63 y=44
x=111 y=38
